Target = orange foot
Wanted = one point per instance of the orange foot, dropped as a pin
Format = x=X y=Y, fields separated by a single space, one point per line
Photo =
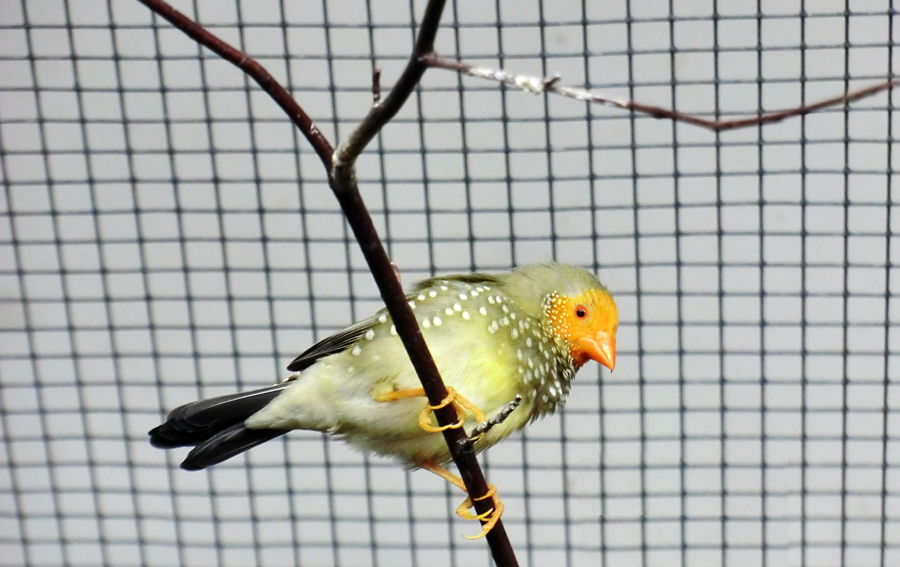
x=488 y=518
x=460 y=404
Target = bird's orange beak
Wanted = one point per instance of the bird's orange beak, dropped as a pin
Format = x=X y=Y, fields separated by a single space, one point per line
x=601 y=347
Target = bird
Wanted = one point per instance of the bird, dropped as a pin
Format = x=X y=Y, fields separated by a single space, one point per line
x=507 y=346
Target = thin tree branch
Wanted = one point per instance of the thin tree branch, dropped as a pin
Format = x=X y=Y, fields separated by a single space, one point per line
x=381 y=114
x=343 y=183
x=376 y=85
x=551 y=85
x=341 y=171
x=254 y=70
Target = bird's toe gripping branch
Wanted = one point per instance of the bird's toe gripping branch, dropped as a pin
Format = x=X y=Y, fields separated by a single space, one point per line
x=492 y=515
x=489 y=518
x=459 y=402
x=461 y=405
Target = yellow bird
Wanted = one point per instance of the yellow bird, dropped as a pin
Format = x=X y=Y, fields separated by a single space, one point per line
x=507 y=346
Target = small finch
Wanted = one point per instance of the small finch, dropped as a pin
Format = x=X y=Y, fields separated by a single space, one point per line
x=507 y=347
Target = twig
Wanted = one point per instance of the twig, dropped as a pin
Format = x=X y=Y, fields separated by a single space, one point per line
x=541 y=86
x=499 y=418
x=254 y=70
x=376 y=85
x=380 y=114
x=341 y=172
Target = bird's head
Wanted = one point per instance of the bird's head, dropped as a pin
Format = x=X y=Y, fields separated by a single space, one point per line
x=587 y=321
x=574 y=306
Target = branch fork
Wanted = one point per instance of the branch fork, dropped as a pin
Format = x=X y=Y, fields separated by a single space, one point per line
x=340 y=165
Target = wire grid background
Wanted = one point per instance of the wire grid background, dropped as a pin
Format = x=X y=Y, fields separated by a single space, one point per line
x=166 y=234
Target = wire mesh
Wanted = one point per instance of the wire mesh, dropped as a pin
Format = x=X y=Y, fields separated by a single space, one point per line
x=166 y=234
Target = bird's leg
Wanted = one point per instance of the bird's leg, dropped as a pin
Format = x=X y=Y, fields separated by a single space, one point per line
x=499 y=418
x=490 y=517
x=460 y=404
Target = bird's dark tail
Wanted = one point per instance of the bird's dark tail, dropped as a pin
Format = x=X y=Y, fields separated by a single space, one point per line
x=215 y=427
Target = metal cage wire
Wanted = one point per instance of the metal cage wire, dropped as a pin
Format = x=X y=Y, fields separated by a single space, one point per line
x=166 y=234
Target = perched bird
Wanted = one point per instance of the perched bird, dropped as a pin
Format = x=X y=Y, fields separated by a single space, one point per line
x=507 y=346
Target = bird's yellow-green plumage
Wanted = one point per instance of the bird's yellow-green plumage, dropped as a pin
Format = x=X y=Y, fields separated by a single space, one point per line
x=493 y=337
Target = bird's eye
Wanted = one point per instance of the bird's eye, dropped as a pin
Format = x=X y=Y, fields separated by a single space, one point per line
x=581 y=311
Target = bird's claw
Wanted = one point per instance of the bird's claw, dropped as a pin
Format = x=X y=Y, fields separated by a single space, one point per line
x=491 y=516
x=460 y=404
x=463 y=510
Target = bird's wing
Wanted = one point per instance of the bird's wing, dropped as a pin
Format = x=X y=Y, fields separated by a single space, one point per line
x=474 y=279
x=343 y=340
x=334 y=344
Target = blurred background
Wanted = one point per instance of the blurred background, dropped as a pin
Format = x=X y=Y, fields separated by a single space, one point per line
x=167 y=234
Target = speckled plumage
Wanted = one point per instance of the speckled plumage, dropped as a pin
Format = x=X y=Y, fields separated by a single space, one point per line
x=493 y=337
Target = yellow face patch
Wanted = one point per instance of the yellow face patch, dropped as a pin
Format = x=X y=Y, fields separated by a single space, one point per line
x=573 y=318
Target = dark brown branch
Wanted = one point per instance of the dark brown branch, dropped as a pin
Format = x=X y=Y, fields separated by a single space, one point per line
x=381 y=114
x=540 y=86
x=254 y=70
x=345 y=188
x=340 y=167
